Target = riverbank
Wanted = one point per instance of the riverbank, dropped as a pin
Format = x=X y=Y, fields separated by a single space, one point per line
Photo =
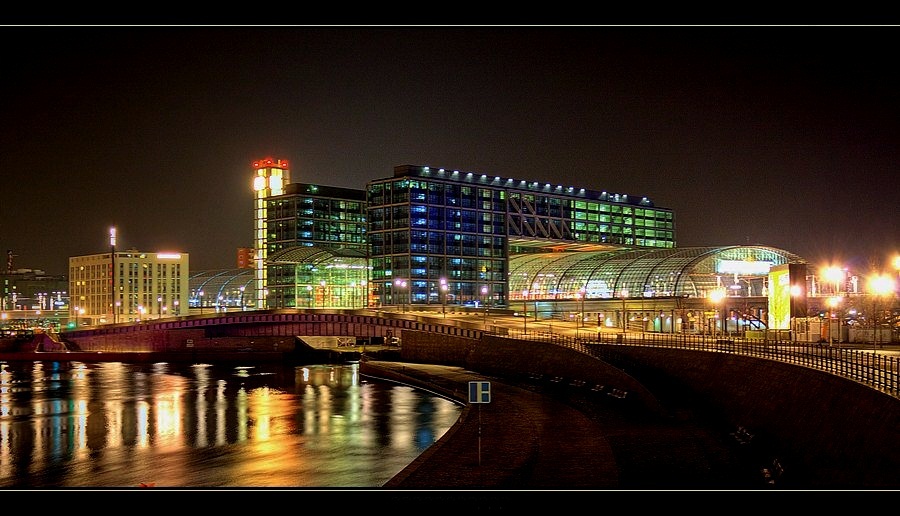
x=303 y=356
x=537 y=437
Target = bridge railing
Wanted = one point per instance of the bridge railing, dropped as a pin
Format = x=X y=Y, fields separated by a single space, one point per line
x=876 y=370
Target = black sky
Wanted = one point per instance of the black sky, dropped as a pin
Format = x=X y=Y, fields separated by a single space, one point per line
x=784 y=136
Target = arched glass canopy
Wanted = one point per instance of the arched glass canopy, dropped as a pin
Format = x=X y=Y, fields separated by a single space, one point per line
x=678 y=272
x=223 y=288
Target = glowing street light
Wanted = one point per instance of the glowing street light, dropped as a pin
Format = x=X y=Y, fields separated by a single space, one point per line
x=443 y=293
x=401 y=284
x=484 y=291
x=833 y=302
x=835 y=276
x=582 y=293
x=881 y=286
x=201 y=301
x=322 y=284
x=717 y=296
x=525 y=311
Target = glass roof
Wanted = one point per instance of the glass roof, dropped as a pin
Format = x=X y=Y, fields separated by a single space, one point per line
x=687 y=271
x=230 y=287
x=311 y=255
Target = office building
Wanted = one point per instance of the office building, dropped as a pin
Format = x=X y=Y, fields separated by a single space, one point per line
x=127 y=286
x=311 y=242
x=444 y=236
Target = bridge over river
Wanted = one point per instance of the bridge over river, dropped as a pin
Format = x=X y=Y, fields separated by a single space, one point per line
x=262 y=330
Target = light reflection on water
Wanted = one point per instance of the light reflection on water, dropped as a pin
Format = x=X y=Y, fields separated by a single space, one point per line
x=71 y=424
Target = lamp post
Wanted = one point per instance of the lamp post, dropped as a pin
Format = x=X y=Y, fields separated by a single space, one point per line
x=444 y=297
x=880 y=285
x=833 y=302
x=241 y=288
x=322 y=284
x=159 y=309
x=484 y=291
x=582 y=293
x=525 y=311
x=835 y=276
x=401 y=285
x=716 y=296
x=175 y=310
x=116 y=312
x=200 y=294
x=624 y=313
x=309 y=296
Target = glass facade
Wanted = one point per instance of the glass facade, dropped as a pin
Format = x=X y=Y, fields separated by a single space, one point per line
x=223 y=290
x=316 y=248
x=438 y=235
x=316 y=277
x=682 y=272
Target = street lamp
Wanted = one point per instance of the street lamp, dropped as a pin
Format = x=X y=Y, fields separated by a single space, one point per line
x=880 y=285
x=159 y=309
x=242 y=297
x=833 y=302
x=201 y=302
x=401 y=285
x=175 y=310
x=116 y=313
x=484 y=291
x=525 y=311
x=309 y=297
x=624 y=293
x=716 y=296
x=322 y=284
x=582 y=293
x=444 y=297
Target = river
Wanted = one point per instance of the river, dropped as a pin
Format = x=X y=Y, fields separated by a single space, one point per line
x=113 y=424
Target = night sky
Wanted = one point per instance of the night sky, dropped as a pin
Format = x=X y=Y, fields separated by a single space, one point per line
x=785 y=136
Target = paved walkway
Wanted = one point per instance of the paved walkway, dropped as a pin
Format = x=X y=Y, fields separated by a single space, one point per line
x=527 y=438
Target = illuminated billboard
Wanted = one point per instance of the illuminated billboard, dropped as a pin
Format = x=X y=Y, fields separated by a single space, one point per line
x=779 y=298
x=787 y=294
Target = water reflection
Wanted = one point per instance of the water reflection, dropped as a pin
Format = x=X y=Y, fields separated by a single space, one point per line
x=71 y=424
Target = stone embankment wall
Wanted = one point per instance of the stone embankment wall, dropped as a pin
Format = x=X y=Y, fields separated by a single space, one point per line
x=165 y=340
x=826 y=427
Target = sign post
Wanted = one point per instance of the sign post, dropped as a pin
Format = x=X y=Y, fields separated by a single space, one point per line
x=479 y=392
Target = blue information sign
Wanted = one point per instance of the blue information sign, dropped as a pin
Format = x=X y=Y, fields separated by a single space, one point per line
x=479 y=392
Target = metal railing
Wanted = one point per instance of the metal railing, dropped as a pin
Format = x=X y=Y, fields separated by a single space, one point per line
x=879 y=371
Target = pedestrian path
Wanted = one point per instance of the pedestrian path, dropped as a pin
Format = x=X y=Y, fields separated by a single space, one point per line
x=526 y=438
